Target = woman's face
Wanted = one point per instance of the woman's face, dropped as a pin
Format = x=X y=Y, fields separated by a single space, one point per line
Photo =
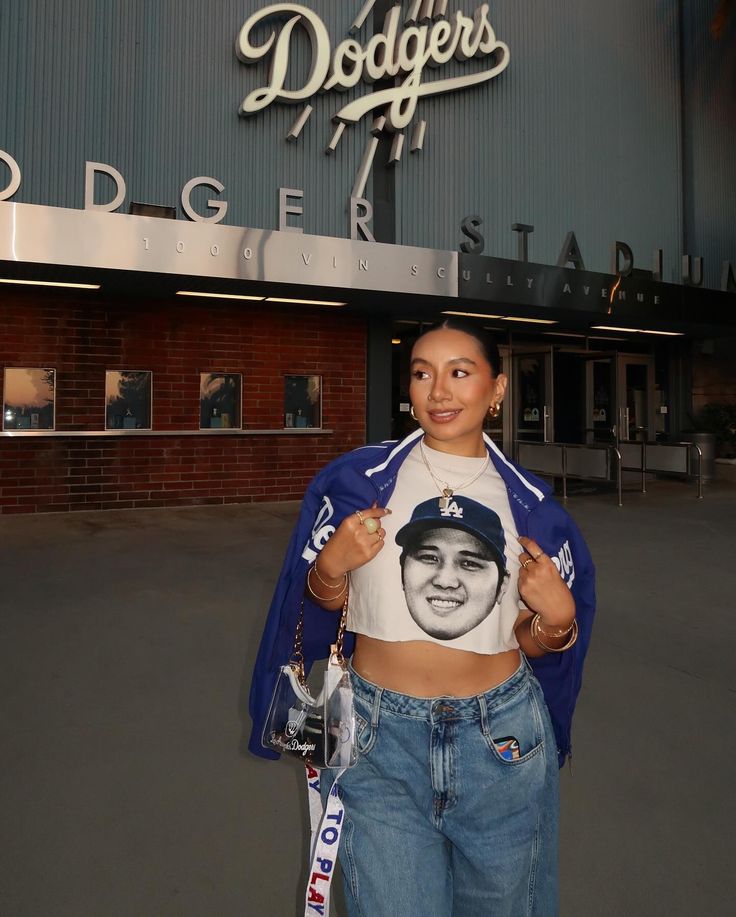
x=450 y=581
x=452 y=387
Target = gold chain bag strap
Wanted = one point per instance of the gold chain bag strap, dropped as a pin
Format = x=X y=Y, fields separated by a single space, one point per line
x=318 y=731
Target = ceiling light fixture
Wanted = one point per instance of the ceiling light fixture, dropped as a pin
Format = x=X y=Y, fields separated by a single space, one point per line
x=531 y=321
x=505 y=318
x=51 y=283
x=219 y=295
x=305 y=302
x=473 y=314
x=636 y=330
x=669 y=334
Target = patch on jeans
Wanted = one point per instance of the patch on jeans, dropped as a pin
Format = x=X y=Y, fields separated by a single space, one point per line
x=362 y=732
x=508 y=748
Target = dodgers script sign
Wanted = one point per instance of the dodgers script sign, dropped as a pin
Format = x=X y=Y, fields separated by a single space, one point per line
x=411 y=42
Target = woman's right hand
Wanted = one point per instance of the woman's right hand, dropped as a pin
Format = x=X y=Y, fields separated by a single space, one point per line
x=352 y=545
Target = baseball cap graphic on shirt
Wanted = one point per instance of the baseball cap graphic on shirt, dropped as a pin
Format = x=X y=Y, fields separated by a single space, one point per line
x=461 y=513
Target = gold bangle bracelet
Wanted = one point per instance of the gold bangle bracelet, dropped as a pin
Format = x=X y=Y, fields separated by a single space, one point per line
x=327 y=585
x=555 y=634
x=534 y=631
x=326 y=598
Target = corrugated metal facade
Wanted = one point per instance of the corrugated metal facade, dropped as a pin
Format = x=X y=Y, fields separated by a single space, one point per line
x=582 y=131
x=153 y=88
x=709 y=148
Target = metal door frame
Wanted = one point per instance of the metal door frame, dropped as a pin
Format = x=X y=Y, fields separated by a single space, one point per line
x=601 y=356
x=622 y=361
x=548 y=420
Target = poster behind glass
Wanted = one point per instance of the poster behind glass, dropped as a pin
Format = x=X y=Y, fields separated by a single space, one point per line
x=219 y=401
x=602 y=418
x=530 y=417
x=303 y=401
x=127 y=400
x=29 y=399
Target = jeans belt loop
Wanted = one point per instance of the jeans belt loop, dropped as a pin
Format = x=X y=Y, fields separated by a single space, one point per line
x=376 y=707
x=483 y=708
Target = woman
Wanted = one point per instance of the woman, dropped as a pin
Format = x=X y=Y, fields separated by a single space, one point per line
x=452 y=808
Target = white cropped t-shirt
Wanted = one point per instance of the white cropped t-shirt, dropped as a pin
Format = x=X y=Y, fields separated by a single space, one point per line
x=448 y=574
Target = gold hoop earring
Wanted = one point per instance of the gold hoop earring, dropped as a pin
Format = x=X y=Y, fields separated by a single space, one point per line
x=494 y=410
x=411 y=411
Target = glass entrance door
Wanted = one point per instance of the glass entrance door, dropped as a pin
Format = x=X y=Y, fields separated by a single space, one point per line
x=635 y=397
x=533 y=396
x=619 y=398
x=600 y=399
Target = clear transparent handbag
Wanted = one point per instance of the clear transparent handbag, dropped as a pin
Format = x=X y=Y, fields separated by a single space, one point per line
x=319 y=731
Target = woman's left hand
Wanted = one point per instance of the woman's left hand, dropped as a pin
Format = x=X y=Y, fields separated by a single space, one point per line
x=541 y=587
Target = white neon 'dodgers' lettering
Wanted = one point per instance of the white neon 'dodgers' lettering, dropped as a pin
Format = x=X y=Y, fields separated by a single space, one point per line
x=279 y=46
x=391 y=53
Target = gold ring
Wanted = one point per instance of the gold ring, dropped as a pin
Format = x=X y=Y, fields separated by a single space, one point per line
x=371 y=525
x=360 y=516
x=538 y=555
x=525 y=563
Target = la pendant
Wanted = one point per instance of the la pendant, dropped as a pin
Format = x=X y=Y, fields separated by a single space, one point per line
x=445 y=498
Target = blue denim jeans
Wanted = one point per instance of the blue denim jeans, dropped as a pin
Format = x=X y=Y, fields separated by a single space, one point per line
x=437 y=822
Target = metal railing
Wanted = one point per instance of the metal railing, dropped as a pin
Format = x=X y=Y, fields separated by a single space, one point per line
x=580 y=461
x=605 y=461
x=663 y=458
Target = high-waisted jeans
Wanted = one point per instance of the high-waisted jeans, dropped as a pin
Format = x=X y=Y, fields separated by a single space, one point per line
x=438 y=823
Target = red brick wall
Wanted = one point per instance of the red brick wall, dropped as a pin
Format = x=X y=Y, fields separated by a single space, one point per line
x=83 y=336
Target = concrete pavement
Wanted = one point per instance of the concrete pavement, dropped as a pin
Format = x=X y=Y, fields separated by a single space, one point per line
x=126 y=644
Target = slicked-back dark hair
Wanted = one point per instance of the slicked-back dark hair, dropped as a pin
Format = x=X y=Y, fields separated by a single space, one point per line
x=484 y=339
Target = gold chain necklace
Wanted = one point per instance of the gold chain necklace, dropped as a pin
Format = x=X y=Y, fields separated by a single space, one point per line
x=443 y=486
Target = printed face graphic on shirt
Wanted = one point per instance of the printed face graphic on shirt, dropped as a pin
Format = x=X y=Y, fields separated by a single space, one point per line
x=450 y=581
x=453 y=565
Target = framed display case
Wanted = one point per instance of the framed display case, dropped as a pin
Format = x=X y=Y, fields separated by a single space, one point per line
x=29 y=398
x=303 y=401
x=128 y=399
x=220 y=400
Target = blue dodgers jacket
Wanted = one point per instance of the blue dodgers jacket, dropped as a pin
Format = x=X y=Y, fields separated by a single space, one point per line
x=367 y=475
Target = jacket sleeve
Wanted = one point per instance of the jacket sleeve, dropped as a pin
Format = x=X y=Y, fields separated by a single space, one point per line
x=278 y=634
x=321 y=502
x=561 y=674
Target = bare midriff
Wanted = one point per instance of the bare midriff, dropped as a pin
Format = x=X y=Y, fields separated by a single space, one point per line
x=424 y=669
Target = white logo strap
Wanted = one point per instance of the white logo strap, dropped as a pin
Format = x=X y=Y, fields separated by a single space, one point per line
x=325 y=840
x=315 y=803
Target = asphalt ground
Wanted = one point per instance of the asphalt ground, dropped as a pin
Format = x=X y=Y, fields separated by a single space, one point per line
x=126 y=645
